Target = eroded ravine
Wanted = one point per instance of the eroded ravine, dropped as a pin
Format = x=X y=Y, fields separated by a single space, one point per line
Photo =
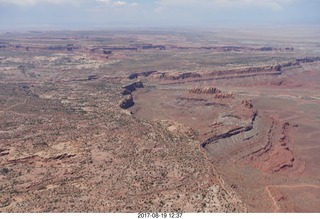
x=231 y=132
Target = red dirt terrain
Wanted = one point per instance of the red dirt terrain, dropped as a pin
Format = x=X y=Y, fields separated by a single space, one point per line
x=251 y=146
x=134 y=122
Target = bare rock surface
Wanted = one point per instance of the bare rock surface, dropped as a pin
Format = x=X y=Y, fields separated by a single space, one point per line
x=155 y=121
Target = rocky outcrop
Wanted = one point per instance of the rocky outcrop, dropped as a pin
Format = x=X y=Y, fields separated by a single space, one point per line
x=227 y=74
x=230 y=133
x=4 y=152
x=289 y=49
x=282 y=157
x=61 y=157
x=208 y=90
x=247 y=104
x=299 y=61
x=270 y=49
x=147 y=46
x=92 y=77
x=224 y=48
x=120 y=48
x=212 y=90
x=131 y=87
x=144 y=74
x=127 y=102
x=107 y=52
x=62 y=48
x=235 y=48
x=308 y=59
x=290 y=64
x=165 y=75
x=224 y=95
x=258 y=69
x=150 y=46
x=100 y=51
x=69 y=47
x=266 y=49
x=178 y=76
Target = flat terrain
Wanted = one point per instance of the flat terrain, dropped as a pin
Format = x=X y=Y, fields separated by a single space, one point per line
x=165 y=121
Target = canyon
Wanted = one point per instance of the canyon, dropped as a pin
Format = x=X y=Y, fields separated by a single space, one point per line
x=116 y=121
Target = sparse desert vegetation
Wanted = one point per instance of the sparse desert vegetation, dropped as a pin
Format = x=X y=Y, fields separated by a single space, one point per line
x=115 y=121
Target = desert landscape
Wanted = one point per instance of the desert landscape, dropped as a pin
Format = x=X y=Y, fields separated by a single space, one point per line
x=160 y=120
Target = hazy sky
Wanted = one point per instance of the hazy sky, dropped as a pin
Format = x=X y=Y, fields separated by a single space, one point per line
x=114 y=13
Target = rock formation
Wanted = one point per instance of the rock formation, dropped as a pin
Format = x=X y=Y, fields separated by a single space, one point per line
x=181 y=76
x=131 y=87
x=208 y=90
x=212 y=90
x=144 y=74
x=258 y=69
x=308 y=59
x=247 y=104
x=127 y=102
